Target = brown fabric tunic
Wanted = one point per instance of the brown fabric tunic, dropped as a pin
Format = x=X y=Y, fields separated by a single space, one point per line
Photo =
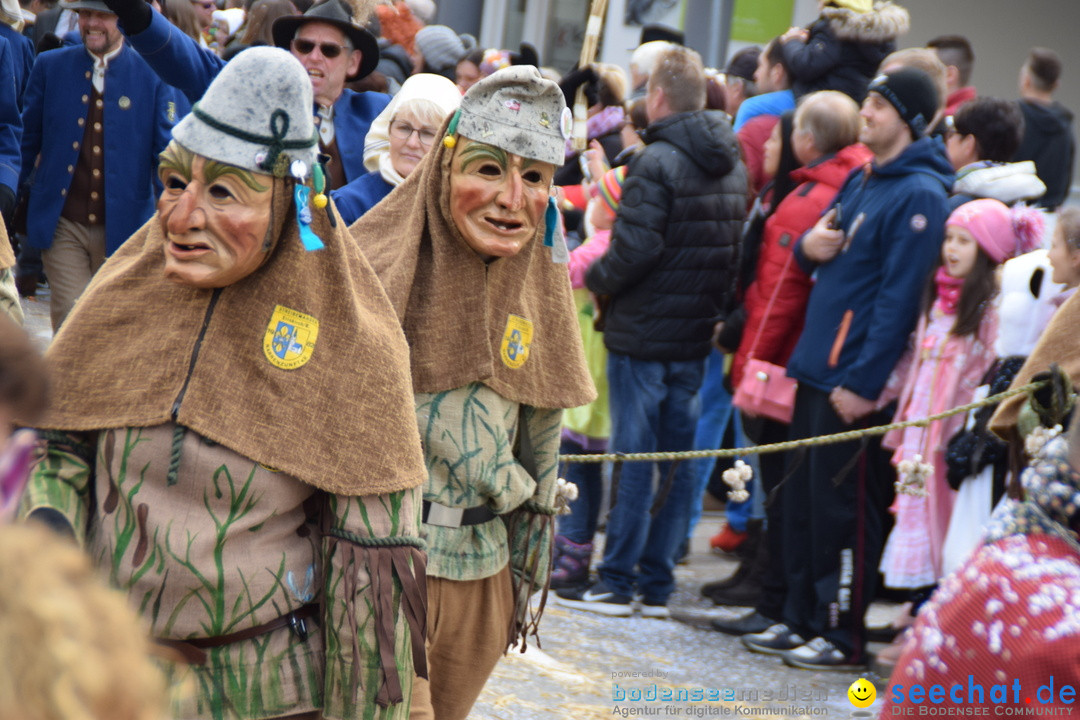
x=313 y=353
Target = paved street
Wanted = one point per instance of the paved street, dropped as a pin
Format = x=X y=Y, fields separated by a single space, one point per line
x=584 y=655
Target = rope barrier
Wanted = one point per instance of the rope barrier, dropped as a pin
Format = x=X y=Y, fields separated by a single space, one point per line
x=792 y=444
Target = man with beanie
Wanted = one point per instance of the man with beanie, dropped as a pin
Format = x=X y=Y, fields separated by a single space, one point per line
x=442 y=49
x=739 y=84
x=333 y=47
x=95 y=118
x=245 y=466
x=871 y=253
x=669 y=274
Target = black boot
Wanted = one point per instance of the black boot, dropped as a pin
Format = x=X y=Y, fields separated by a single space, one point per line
x=746 y=592
x=708 y=589
x=746 y=552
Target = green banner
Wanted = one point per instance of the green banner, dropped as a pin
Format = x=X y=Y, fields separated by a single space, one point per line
x=759 y=21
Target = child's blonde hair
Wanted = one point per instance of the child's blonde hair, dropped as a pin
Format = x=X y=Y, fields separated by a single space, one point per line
x=70 y=648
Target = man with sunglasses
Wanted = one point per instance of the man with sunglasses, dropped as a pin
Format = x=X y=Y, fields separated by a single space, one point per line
x=331 y=46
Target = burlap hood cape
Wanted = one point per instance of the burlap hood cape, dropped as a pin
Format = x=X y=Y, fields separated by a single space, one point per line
x=139 y=351
x=7 y=255
x=1058 y=344
x=459 y=313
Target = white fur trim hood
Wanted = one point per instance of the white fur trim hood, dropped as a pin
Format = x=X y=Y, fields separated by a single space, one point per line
x=885 y=22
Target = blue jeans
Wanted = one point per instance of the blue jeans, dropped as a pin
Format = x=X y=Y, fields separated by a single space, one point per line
x=654 y=407
x=716 y=412
x=580 y=525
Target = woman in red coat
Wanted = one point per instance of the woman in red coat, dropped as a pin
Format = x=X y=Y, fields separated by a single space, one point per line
x=823 y=137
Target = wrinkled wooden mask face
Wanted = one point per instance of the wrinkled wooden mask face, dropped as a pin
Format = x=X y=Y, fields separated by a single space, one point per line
x=215 y=219
x=497 y=199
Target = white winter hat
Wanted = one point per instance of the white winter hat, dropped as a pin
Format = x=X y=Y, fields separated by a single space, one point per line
x=256 y=114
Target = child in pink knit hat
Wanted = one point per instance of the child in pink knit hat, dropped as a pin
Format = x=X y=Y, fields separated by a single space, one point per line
x=951 y=351
x=1001 y=232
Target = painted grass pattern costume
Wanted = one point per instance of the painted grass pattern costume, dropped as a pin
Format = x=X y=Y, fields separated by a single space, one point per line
x=246 y=465
x=495 y=355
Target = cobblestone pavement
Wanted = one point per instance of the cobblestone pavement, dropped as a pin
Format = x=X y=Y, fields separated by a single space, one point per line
x=584 y=656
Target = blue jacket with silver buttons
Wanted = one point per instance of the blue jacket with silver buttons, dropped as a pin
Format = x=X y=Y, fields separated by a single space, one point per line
x=139 y=113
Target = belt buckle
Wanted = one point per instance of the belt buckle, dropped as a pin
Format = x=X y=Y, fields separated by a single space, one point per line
x=299 y=626
x=444 y=515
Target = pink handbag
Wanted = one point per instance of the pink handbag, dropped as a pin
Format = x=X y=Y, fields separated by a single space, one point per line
x=765 y=388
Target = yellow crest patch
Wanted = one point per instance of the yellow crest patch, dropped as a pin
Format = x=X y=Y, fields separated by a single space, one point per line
x=290 y=338
x=516 y=341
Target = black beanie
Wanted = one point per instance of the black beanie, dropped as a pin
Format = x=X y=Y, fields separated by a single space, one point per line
x=912 y=93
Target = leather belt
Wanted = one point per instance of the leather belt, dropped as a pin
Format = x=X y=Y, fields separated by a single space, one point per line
x=453 y=517
x=194 y=650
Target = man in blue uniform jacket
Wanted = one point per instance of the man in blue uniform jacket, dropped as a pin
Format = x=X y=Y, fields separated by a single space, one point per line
x=10 y=132
x=97 y=117
x=331 y=47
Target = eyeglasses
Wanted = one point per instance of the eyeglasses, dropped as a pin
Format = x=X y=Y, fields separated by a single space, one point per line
x=329 y=50
x=950 y=127
x=403 y=131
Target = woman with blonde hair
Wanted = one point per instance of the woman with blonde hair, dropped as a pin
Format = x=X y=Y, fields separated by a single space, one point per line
x=263 y=13
x=181 y=14
x=398 y=140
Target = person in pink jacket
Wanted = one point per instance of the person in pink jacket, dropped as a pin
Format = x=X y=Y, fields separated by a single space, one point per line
x=586 y=429
x=951 y=350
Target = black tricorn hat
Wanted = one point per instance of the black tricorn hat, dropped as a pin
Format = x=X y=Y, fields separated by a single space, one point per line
x=332 y=12
x=649 y=33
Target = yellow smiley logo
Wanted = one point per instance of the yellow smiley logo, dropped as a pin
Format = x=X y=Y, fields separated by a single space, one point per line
x=862 y=693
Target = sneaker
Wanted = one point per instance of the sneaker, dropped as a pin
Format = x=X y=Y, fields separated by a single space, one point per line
x=656 y=610
x=820 y=654
x=596 y=598
x=570 y=566
x=776 y=640
x=728 y=539
x=753 y=622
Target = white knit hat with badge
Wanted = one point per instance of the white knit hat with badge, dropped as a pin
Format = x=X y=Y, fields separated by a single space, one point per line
x=257 y=115
x=519 y=111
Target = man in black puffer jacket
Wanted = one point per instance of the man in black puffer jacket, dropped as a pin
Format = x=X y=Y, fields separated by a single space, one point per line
x=669 y=272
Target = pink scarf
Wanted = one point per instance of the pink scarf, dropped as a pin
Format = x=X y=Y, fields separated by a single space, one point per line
x=610 y=118
x=948 y=290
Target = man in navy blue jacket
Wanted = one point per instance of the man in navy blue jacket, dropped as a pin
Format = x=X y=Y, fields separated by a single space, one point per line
x=10 y=132
x=97 y=117
x=871 y=252
x=331 y=47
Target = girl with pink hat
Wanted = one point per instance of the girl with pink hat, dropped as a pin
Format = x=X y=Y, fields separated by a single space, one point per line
x=951 y=351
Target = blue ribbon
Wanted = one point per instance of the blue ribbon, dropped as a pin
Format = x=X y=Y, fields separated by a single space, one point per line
x=308 y=237
x=551 y=216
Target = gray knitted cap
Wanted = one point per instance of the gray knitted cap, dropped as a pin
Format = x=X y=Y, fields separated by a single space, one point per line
x=519 y=111
x=256 y=114
x=441 y=47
